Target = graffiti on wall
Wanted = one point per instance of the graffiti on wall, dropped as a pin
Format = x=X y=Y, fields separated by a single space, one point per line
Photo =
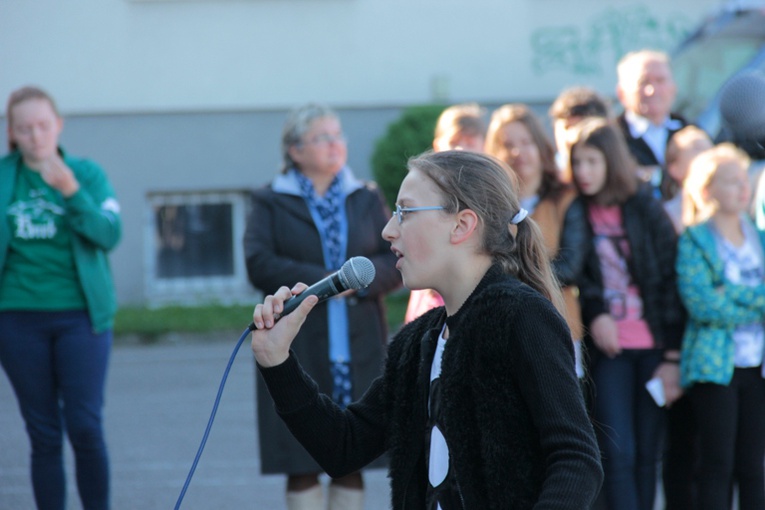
x=595 y=48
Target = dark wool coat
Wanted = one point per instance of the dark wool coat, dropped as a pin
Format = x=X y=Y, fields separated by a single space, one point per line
x=653 y=248
x=282 y=247
x=513 y=413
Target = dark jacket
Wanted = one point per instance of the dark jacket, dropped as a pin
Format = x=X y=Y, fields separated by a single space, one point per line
x=653 y=247
x=637 y=146
x=563 y=224
x=282 y=247
x=513 y=413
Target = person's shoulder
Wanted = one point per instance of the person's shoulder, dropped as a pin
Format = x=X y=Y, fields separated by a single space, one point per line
x=700 y=233
x=621 y=122
x=644 y=198
x=367 y=196
x=367 y=188
x=512 y=293
x=562 y=196
x=11 y=156
x=511 y=307
x=262 y=191
x=10 y=161
x=408 y=337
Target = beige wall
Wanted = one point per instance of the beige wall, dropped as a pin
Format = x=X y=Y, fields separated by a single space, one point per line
x=116 y=56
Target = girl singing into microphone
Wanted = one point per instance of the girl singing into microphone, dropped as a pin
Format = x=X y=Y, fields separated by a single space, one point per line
x=479 y=405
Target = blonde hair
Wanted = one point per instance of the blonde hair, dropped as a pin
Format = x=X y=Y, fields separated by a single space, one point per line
x=681 y=138
x=696 y=208
x=628 y=64
x=486 y=186
x=18 y=96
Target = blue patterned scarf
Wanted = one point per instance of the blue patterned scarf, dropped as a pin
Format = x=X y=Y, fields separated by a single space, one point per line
x=329 y=220
x=329 y=209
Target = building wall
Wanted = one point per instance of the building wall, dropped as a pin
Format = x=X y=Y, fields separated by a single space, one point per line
x=107 y=56
x=181 y=96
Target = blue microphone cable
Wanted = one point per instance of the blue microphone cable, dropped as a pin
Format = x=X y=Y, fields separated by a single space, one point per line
x=212 y=416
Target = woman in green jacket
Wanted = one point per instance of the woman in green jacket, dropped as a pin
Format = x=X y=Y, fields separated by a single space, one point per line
x=57 y=299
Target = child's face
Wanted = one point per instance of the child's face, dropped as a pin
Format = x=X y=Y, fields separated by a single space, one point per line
x=589 y=168
x=421 y=239
x=689 y=149
x=729 y=188
x=459 y=140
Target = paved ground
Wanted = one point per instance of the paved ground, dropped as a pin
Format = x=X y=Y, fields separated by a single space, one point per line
x=159 y=399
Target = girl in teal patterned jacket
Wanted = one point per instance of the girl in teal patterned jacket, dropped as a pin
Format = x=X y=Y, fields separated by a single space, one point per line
x=720 y=274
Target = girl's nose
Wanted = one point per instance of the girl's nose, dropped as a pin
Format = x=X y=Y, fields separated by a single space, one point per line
x=389 y=230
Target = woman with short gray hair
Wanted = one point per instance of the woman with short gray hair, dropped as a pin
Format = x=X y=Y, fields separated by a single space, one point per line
x=302 y=227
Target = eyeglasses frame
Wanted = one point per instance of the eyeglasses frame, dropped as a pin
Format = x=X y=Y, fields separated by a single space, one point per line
x=398 y=213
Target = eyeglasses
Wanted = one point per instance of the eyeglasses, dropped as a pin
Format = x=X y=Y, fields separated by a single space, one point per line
x=325 y=139
x=399 y=212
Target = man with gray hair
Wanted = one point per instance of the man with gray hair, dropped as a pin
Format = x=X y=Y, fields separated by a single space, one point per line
x=647 y=90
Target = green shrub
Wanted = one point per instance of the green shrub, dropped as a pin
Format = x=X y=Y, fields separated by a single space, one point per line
x=408 y=136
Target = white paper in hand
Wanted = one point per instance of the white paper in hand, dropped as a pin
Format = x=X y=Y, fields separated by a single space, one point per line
x=656 y=388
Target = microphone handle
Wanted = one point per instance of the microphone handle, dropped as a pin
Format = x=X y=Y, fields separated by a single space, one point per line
x=324 y=289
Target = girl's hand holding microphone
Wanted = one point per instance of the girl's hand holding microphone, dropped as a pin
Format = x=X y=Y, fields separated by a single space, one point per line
x=272 y=336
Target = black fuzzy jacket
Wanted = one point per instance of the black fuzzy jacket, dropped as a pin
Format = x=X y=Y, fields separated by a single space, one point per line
x=514 y=417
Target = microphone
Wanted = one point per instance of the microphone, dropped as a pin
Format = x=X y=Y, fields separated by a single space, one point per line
x=742 y=106
x=356 y=273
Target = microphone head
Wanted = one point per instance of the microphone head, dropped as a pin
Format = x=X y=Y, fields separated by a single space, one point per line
x=357 y=273
x=742 y=106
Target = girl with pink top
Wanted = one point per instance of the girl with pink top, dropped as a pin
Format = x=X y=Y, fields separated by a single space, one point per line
x=630 y=309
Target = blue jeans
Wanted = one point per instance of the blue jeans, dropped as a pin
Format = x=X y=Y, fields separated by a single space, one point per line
x=57 y=367
x=629 y=426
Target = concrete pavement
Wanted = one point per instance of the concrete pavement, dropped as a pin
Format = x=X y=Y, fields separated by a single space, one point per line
x=158 y=402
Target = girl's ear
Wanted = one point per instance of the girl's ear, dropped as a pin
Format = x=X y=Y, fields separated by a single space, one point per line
x=466 y=224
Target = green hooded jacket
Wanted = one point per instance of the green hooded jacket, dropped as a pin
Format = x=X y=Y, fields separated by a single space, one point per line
x=93 y=214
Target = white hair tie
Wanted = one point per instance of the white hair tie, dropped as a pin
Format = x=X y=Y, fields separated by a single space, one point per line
x=520 y=216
